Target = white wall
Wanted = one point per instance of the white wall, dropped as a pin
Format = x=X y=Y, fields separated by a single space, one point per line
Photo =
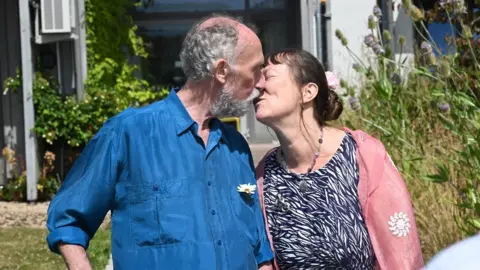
x=403 y=26
x=349 y=16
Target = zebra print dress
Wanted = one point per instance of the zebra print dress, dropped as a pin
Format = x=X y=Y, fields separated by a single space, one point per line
x=315 y=219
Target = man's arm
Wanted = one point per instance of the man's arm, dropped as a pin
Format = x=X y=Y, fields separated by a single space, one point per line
x=75 y=257
x=86 y=195
x=265 y=266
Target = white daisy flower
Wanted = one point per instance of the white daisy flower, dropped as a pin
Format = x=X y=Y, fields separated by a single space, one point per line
x=399 y=224
x=247 y=188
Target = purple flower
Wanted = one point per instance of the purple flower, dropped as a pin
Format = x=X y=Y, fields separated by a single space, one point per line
x=444 y=107
x=369 y=40
x=377 y=12
x=354 y=103
x=426 y=48
x=377 y=49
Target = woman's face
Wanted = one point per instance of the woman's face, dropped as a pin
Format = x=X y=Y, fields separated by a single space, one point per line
x=280 y=97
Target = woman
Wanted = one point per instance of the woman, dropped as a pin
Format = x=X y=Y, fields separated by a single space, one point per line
x=332 y=198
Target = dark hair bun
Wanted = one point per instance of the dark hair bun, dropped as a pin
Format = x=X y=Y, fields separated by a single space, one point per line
x=334 y=106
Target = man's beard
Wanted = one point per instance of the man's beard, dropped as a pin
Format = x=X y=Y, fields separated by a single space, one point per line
x=227 y=106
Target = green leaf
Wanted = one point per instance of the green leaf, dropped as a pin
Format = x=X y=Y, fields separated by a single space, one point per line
x=475 y=222
x=477 y=208
x=442 y=176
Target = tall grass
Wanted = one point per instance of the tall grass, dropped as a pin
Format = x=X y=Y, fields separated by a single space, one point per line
x=427 y=116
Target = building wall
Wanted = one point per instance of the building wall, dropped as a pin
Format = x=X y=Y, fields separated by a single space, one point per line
x=351 y=18
x=403 y=26
x=11 y=112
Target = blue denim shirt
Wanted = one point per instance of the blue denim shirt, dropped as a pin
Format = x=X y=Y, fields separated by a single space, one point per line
x=174 y=201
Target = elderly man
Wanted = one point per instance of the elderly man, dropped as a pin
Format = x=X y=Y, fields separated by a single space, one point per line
x=180 y=183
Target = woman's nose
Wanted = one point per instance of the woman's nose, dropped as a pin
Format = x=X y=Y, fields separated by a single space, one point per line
x=261 y=83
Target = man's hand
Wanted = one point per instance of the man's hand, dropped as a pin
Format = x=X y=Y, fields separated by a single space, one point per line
x=75 y=257
x=266 y=266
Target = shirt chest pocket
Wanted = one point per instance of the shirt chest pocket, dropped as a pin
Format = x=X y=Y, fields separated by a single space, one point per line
x=156 y=213
x=244 y=204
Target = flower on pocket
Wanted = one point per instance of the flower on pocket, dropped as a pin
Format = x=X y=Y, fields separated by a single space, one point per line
x=247 y=189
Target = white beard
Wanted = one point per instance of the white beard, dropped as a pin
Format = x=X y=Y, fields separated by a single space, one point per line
x=227 y=106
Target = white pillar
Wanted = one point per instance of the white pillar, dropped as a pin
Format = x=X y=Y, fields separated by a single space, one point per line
x=309 y=27
x=244 y=127
x=80 y=49
x=31 y=156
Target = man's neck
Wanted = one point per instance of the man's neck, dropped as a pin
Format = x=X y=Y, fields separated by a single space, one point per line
x=197 y=99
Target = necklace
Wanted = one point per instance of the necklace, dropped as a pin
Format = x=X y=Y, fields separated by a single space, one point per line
x=303 y=185
x=281 y=156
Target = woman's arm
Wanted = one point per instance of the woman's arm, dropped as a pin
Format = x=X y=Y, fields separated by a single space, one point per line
x=391 y=222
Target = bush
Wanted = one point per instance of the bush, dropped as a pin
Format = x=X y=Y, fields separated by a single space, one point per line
x=16 y=188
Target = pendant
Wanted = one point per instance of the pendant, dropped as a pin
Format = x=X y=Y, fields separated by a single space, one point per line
x=282 y=204
x=303 y=186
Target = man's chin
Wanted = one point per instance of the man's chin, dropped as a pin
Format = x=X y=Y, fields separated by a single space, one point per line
x=228 y=107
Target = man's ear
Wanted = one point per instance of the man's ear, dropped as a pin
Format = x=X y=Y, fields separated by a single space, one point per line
x=309 y=92
x=221 y=70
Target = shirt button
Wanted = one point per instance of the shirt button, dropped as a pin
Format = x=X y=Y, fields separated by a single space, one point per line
x=219 y=242
x=209 y=183
x=213 y=212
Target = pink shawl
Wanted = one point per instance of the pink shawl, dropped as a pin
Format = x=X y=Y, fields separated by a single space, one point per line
x=382 y=193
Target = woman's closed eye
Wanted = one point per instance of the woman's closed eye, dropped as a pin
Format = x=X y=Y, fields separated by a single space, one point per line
x=268 y=76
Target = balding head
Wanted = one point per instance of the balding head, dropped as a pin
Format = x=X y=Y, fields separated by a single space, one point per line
x=213 y=38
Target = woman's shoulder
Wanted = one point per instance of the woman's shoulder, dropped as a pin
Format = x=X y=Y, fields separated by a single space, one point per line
x=365 y=141
x=261 y=163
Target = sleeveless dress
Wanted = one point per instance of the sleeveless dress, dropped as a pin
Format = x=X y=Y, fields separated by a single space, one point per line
x=315 y=219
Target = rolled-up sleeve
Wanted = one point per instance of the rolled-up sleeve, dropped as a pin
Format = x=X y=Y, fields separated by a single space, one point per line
x=263 y=252
x=85 y=197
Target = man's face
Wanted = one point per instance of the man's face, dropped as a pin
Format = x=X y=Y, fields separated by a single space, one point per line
x=239 y=90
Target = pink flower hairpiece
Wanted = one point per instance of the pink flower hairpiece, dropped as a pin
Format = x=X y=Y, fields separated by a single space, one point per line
x=333 y=82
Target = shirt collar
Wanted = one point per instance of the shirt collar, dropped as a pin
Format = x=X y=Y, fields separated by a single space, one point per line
x=183 y=120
